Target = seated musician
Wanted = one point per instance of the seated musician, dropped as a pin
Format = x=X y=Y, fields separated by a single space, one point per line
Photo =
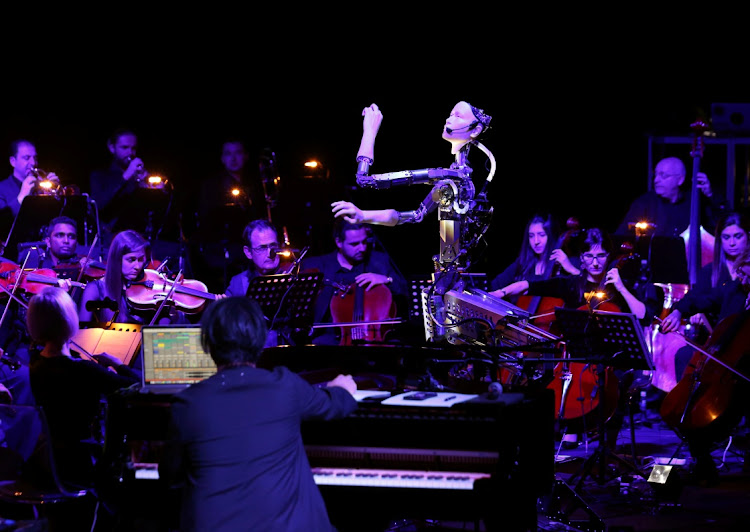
x=105 y=301
x=726 y=300
x=235 y=446
x=61 y=240
x=732 y=235
x=261 y=243
x=597 y=287
x=539 y=257
x=581 y=290
x=353 y=264
x=70 y=388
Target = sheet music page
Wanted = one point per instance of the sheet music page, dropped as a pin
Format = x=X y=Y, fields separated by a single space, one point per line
x=87 y=339
x=121 y=344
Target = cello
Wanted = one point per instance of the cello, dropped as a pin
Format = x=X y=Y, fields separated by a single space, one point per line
x=360 y=313
x=577 y=386
x=708 y=397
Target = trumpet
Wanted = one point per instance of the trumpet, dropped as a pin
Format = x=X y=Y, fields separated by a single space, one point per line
x=45 y=186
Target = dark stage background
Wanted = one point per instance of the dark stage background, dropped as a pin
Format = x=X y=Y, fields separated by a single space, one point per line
x=569 y=137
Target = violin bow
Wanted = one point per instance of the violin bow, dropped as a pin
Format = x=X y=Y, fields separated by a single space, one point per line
x=12 y=292
x=169 y=295
x=88 y=259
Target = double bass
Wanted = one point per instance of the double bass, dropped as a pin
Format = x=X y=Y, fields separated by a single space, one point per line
x=699 y=249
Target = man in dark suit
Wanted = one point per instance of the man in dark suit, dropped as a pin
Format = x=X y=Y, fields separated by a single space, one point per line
x=236 y=448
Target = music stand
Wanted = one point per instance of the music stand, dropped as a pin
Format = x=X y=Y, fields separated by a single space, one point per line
x=613 y=339
x=37 y=211
x=286 y=300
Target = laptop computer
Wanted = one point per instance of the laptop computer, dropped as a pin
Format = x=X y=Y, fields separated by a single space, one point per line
x=173 y=358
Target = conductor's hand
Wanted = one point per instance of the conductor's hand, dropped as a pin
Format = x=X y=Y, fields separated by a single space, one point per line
x=373 y=117
x=672 y=322
x=348 y=211
x=344 y=381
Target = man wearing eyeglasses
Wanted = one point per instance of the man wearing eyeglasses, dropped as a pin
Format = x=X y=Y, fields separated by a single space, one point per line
x=261 y=242
x=667 y=205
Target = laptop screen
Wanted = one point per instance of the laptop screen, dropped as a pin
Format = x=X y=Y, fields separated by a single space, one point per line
x=172 y=354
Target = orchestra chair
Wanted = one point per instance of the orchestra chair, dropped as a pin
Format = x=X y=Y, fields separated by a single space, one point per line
x=29 y=481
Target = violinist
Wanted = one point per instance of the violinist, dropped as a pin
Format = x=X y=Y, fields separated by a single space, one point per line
x=104 y=300
x=353 y=264
x=70 y=389
x=538 y=256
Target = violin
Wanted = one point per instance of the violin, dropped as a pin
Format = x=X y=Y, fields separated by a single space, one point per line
x=147 y=293
x=92 y=269
x=31 y=281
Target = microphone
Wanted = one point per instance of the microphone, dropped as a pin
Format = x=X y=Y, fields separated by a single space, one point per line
x=474 y=124
x=95 y=304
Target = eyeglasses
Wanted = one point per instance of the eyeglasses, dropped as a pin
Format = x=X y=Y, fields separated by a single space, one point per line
x=265 y=248
x=589 y=257
x=664 y=175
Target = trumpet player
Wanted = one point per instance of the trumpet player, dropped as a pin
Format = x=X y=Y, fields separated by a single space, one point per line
x=112 y=188
x=23 y=179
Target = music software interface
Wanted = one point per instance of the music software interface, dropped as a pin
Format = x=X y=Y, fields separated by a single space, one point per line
x=176 y=356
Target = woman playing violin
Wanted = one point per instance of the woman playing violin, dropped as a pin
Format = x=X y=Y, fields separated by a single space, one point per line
x=104 y=300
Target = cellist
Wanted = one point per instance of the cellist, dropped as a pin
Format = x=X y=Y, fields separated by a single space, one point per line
x=728 y=299
x=353 y=265
x=581 y=291
x=539 y=255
